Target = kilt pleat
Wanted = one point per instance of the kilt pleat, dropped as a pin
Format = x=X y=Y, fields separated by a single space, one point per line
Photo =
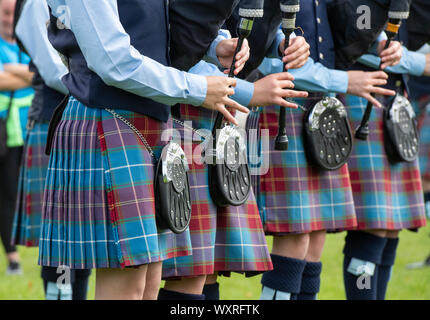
x=386 y=196
x=224 y=240
x=26 y=227
x=296 y=197
x=422 y=107
x=99 y=196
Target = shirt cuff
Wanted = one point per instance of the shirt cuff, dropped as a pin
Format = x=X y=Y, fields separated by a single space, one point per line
x=339 y=81
x=273 y=51
x=415 y=61
x=211 y=56
x=198 y=87
x=243 y=92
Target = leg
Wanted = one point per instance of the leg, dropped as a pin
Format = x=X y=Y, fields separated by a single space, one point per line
x=183 y=289
x=387 y=262
x=362 y=256
x=211 y=288
x=120 y=284
x=284 y=281
x=311 y=275
x=153 y=281
x=80 y=285
x=10 y=175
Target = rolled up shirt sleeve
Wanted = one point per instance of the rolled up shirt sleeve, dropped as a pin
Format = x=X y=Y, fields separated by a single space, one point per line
x=31 y=31
x=108 y=52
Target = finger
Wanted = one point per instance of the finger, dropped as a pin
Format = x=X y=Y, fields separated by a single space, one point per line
x=293 y=93
x=227 y=115
x=382 y=91
x=230 y=91
x=379 y=75
x=378 y=82
x=284 y=103
x=297 y=63
x=231 y=82
x=244 y=50
x=372 y=100
x=284 y=76
x=286 y=84
x=295 y=55
x=233 y=104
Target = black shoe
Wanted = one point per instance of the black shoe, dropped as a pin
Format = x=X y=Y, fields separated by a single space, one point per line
x=14 y=268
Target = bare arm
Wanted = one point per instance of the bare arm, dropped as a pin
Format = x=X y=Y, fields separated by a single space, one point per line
x=427 y=67
x=19 y=70
x=10 y=82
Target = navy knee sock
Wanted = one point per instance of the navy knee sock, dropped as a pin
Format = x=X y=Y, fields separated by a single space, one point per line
x=80 y=286
x=310 y=281
x=384 y=269
x=362 y=255
x=211 y=291
x=284 y=281
x=164 y=294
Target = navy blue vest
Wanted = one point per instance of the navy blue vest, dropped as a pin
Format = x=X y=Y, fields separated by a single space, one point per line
x=45 y=98
x=146 y=21
x=312 y=18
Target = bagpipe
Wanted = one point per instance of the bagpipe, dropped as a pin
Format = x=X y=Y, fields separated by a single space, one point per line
x=400 y=124
x=326 y=130
x=354 y=36
x=327 y=133
x=229 y=176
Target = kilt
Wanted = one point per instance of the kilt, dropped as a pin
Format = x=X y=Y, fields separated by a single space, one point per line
x=422 y=107
x=224 y=240
x=296 y=197
x=34 y=165
x=386 y=196
x=99 y=200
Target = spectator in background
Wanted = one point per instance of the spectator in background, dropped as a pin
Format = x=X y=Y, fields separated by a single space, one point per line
x=15 y=98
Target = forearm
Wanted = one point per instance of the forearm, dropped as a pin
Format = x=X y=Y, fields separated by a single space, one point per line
x=427 y=67
x=20 y=71
x=10 y=82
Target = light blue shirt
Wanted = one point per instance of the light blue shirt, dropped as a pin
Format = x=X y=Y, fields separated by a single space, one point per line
x=313 y=76
x=412 y=63
x=108 y=52
x=31 y=30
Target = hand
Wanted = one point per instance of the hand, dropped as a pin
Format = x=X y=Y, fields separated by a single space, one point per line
x=296 y=54
x=217 y=97
x=271 y=90
x=390 y=56
x=225 y=51
x=427 y=67
x=362 y=84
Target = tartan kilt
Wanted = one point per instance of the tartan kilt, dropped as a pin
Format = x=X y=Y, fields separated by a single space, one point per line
x=34 y=165
x=296 y=197
x=224 y=240
x=386 y=196
x=422 y=107
x=99 y=201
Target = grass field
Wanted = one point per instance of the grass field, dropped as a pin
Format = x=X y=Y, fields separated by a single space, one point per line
x=405 y=284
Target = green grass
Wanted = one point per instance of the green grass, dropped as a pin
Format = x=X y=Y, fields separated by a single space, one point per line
x=405 y=284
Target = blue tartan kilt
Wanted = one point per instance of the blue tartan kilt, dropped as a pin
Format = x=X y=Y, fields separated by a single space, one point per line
x=99 y=202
